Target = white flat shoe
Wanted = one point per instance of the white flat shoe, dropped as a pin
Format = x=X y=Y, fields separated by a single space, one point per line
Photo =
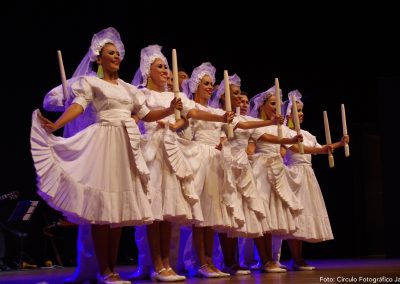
x=301 y=266
x=220 y=273
x=202 y=272
x=120 y=281
x=112 y=278
x=156 y=276
x=223 y=274
x=177 y=276
x=272 y=267
x=236 y=270
x=282 y=265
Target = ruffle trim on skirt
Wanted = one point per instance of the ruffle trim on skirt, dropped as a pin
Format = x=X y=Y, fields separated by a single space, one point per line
x=246 y=185
x=141 y=166
x=229 y=194
x=313 y=229
x=275 y=168
x=179 y=164
x=81 y=203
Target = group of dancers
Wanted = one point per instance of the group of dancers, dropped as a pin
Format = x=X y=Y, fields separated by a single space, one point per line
x=138 y=154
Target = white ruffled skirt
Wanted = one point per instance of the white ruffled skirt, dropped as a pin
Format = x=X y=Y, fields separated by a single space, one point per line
x=241 y=195
x=209 y=186
x=274 y=189
x=313 y=222
x=97 y=176
x=171 y=187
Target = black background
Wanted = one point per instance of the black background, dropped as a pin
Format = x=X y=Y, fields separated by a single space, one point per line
x=331 y=54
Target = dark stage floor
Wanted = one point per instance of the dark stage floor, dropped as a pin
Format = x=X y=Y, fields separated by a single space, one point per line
x=329 y=271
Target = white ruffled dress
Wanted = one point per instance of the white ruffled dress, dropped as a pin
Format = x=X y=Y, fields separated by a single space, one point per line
x=97 y=176
x=172 y=193
x=313 y=223
x=240 y=191
x=209 y=176
x=273 y=184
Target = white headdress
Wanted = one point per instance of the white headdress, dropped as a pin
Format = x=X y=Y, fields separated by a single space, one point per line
x=233 y=80
x=198 y=74
x=287 y=106
x=190 y=86
x=109 y=35
x=257 y=101
x=147 y=56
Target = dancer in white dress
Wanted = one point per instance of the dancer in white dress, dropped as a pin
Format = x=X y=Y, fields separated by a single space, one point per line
x=99 y=176
x=144 y=267
x=313 y=222
x=241 y=187
x=173 y=198
x=55 y=100
x=208 y=179
x=272 y=182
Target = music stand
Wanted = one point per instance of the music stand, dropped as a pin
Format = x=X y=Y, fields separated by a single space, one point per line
x=23 y=212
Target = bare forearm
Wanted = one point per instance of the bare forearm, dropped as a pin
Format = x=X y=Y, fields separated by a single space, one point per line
x=251 y=148
x=180 y=124
x=310 y=150
x=157 y=114
x=203 y=115
x=72 y=112
x=253 y=124
x=324 y=149
x=337 y=145
x=275 y=140
x=283 y=151
x=307 y=150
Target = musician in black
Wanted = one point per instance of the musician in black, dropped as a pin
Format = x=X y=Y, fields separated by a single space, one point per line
x=3 y=266
x=3 y=197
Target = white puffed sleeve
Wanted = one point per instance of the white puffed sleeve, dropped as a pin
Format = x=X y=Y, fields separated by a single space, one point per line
x=288 y=133
x=314 y=140
x=83 y=91
x=139 y=101
x=257 y=133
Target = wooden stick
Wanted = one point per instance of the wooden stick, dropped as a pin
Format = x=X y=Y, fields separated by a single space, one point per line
x=228 y=106
x=344 y=126
x=328 y=139
x=278 y=106
x=176 y=81
x=62 y=73
x=297 y=123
